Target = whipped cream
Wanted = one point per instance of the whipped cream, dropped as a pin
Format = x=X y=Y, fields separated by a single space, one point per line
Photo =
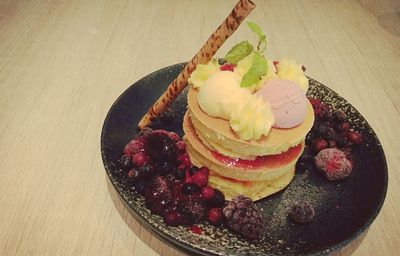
x=289 y=69
x=202 y=73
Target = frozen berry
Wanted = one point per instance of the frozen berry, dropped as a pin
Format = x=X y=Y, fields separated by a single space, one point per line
x=218 y=200
x=190 y=188
x=221 y=61
x=301 y=212
x=125 y=162
x=207 y=193
x=215 y=216
x=244 y=217
x=158 y=194
x=321 y=129
x=167 y=116
x=180 y=173
x=134 y=146
x=316 y=103
x=133 y=175
x=193 y=170
x=147 y=170
x=343 y=127
x=227 y=67
x=200 y=179
x=174 y=218
x=320 y=144
x=355 y=137
x=340 y=115
x=193 y=210
x=181 y=145
x=331 y=144
x=140 y=186
x=161 y=147
x=164 y=168
x=139 y=159
x=333 y=163
x=205 y=171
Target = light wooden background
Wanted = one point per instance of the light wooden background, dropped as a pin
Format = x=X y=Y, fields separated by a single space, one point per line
x=63 y=64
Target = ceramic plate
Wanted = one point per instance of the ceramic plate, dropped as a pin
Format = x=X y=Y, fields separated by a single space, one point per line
x=343 y=209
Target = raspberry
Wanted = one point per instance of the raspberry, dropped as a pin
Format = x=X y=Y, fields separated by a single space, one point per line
x=355 y=137
x=301 y=212
x=320 y=144
x=140 y=159
x=193 y=170
x=227 y=67
x=205 y=171
x=333 y=163
x=174 y=218
x=184 y=159
x=181 y=145
x=207 y=193
x=200 y=179
x=215 y=216
x=134 y=146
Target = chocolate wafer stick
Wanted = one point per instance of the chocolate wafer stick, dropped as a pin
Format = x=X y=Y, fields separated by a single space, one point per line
x=223 y=32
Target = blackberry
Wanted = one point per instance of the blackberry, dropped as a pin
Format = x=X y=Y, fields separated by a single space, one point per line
x=193 y=210
x=161 y=148
x=158 y=194
x=218 y=200
x=301 y=212
x=244 y=217
x=340 y=116
x=164 y=168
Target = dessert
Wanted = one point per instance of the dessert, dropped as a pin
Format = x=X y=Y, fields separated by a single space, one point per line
x=248 y=131
x=333 y=163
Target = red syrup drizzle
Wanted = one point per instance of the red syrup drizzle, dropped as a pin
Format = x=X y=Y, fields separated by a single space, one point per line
x=196 y=229
x=260 y=161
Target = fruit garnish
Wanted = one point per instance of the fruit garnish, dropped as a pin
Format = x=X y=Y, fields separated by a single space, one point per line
x=301 y=212
x=244 y=217
x=333 y=163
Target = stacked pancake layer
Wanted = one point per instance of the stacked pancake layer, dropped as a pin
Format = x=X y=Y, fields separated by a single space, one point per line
x=253 y=168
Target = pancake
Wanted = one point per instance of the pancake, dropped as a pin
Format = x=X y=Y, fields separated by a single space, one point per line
x=265 y=168
x=217 y=134
x=254 y=190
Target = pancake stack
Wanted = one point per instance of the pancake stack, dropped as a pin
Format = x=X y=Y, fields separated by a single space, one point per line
x=254 y=168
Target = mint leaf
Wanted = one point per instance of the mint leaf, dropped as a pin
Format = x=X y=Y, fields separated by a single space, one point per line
x=239 y=52
x=258 y=68
x=262 y=41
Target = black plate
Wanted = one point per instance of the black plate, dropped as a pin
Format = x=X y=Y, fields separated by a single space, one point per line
x=344 y=209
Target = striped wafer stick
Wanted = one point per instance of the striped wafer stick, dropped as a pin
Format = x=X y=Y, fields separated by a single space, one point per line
x=223 y=32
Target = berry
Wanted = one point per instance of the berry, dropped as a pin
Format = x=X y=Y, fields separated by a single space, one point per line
x=158 y=194
x=167 y=116
x=321 y=129
x=333 y=163
x=331 y=144
x=319 y=144
x=207 y=193
x=146 y=170
x=134 y=146
x=184 y=159
x=218 y=200
x=164 y=168
x=310 y=137
x=340 y=116
x=140 y=186
x=193 y=170
x=140 y=159
x=301 y=212
x=125 y=162
x=173 y=136
x=190 y=188
x=145 y=132
x=193 y=210
x=215 y=216
x=316 y=103
x=244 y=217
x=181 y=145
x=344 y=127
x=355 y=137
x=161 y=147
x=205 y=171
x=174 y=218
x=200 y=179
x=227 y=67
x=221 y=61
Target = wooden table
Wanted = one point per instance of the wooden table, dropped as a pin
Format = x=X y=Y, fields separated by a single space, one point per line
x=63 y=64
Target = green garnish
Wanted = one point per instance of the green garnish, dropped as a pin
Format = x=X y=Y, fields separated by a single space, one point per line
x=258 y=68
x=239 y=52
x=243 y=49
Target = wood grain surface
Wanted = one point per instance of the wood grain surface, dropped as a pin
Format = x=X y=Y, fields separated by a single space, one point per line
x=64 y=63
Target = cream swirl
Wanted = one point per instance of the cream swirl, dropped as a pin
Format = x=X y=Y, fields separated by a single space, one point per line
x=291 y=70
x=252 y=118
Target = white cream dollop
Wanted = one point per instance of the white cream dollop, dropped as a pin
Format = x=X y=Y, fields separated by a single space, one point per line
x=221 y=93
x=289 y=69
x=252 y=118
x=202 y=73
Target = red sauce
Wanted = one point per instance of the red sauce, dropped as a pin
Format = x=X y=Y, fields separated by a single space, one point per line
x=260 y=161
x=195 y=229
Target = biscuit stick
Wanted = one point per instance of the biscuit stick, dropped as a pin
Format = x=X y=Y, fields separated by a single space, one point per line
x=223 y=32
